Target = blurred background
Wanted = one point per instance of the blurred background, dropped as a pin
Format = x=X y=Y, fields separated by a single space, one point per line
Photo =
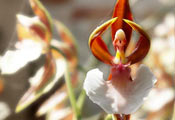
x=157 y=17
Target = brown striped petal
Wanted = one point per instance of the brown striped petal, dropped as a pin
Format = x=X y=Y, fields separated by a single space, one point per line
x=97 y=45
x=43 y=15
x=44 y=80
x=142 y=46
x=32 y=28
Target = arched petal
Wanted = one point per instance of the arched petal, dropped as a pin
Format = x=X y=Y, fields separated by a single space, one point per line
x=42 y=13
x=68 y=46
x=142 y=46
x=65 y=34
x=122 y=11
x=113 y=97
x=66 y=50
x=55 y=100
x=43 y=81
x=97 y=45
x=32 y=28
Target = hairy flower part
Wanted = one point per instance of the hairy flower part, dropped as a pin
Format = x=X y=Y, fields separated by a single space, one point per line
x=119 y=45
x=120 y=95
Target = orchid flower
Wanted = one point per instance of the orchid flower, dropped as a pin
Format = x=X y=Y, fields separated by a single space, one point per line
x=69 y=50
x=122 y=94
x=57 y=54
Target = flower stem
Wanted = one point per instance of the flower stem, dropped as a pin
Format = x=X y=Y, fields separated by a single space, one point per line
x=71 y=93
x=81 y=100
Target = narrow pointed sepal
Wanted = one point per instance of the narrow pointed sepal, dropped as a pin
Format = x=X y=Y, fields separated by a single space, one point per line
x=142 y=46
x=42 y=13
x=122 y=11
x=43 y=81
x=54 y=101
x=98 y=46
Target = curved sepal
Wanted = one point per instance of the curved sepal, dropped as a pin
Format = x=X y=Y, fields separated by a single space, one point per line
x=97 y=45
x=65 y=34
x=32 y=28
x=142 y=46
x=67 y=51
x=68 y=44
x=122 y=11
x=44 y=80
x=55 y=100
x=42 y=13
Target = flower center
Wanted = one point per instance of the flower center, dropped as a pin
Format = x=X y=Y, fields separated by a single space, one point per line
x=120 y=74
x=119 y=44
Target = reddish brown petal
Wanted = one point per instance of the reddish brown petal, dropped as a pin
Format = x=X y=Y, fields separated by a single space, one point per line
x=42 y=33
x=42 y=84
x=50 y=69
x=1 y=85
x=142 y=46
x=65 y=34
x=97 y=45
x=70 y=47
x=56 y=99
x=32 y=28
x=42 y=13
x=122 y=11
x=23 y=32
x=60 y=114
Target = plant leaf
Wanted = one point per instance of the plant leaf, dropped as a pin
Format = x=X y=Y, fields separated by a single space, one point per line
x=122 y=11
x=97 y=45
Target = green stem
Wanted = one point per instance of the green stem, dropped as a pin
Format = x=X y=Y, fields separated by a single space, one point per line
x=81 y=100
x=71 y=93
